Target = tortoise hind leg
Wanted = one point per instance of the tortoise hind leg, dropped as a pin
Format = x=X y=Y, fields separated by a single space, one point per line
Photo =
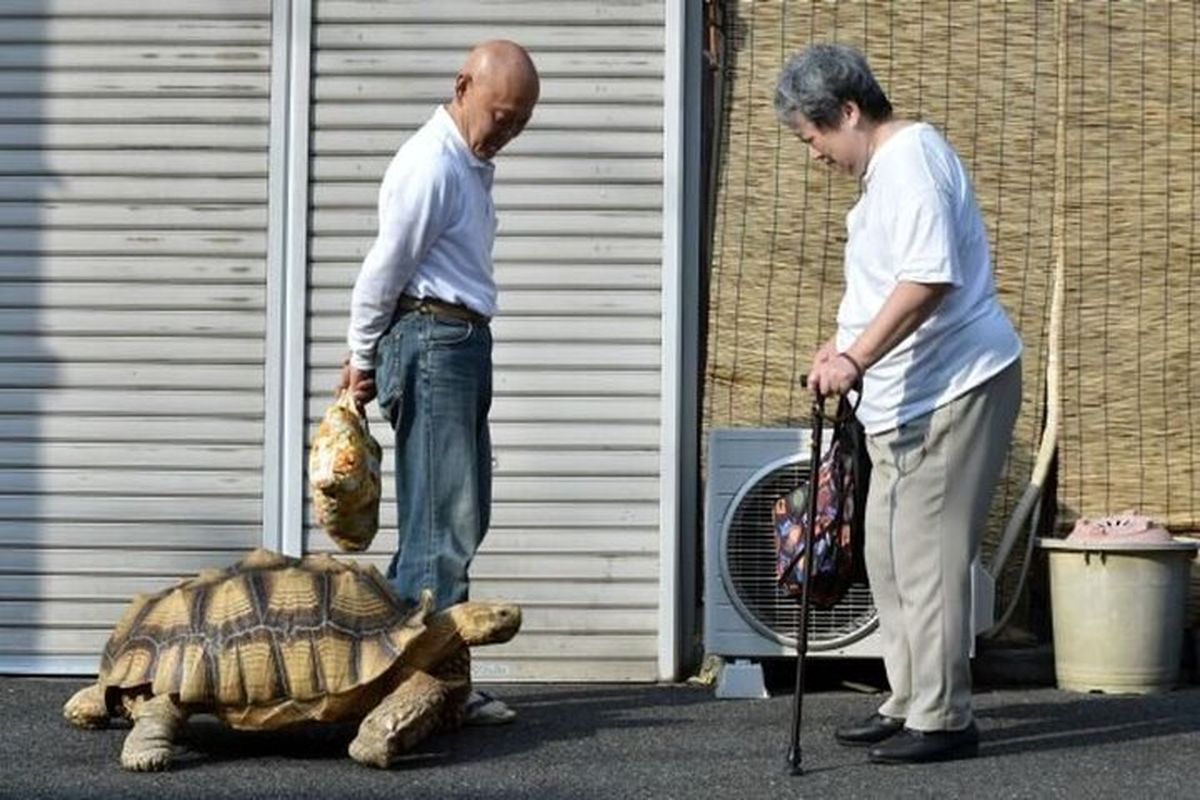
x=86 y=708
x=403 y=718
x=156 y=720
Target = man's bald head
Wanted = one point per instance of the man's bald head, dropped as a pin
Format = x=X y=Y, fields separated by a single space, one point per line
x=494 y=95
x=503 y=62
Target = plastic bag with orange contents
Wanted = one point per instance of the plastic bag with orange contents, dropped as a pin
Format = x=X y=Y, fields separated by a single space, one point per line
x=343 y=474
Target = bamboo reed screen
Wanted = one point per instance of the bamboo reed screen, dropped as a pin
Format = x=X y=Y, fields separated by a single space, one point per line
x=986 y=74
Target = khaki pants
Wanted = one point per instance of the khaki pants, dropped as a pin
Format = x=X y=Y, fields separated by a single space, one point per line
x=932 y=481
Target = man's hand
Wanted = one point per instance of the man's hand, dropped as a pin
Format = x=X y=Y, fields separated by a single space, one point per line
x=360 y=382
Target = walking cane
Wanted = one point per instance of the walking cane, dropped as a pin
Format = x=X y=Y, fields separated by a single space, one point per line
x=814 y=464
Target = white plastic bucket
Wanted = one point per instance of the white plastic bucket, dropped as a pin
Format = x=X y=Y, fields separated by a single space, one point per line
x=1118 y=614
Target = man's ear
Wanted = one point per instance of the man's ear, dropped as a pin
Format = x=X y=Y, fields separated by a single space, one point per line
x=461 y=82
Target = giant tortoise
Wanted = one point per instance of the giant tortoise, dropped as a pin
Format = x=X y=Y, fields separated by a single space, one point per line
x=273 y=642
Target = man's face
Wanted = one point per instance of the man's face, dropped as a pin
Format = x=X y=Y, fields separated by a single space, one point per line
x=837 y=147
x=495 y=112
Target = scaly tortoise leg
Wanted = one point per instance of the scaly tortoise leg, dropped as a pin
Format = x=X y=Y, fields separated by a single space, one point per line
x=156 y=720
x=401 y=720
x=86 y=708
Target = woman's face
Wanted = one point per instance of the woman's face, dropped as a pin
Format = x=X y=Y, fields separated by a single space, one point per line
x=840 y=147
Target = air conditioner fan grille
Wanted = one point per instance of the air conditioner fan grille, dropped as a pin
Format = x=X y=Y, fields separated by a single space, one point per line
x=750 y=567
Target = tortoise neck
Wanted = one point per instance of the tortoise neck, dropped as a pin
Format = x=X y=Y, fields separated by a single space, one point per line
x=440 y=639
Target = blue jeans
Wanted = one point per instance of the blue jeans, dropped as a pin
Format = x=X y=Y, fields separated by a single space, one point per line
x=434 y=379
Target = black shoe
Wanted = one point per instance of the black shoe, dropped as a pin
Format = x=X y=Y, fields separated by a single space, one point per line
x=873 y=730
x=920 y=747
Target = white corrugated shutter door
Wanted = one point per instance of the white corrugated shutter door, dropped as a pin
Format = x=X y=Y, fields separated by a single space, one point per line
x=575 y=421
x=133 y=191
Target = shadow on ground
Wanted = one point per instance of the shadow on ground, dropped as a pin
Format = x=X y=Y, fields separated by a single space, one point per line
x=569 y=715
x=1089 y=721
x=633 y=741
x=555 y=715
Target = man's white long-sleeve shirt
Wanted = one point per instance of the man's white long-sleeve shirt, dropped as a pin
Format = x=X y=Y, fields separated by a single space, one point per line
x=437 y=224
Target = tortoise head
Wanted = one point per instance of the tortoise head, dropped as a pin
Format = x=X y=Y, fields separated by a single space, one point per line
x=485 y=622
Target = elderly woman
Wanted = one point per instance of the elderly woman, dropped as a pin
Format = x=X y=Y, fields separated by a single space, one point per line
x=939 y=363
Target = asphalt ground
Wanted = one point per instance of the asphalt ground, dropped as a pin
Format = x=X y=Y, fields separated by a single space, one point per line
x=632 y=741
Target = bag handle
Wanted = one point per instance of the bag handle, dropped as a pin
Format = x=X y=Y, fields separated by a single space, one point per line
x=345 y=399
x=844 y=411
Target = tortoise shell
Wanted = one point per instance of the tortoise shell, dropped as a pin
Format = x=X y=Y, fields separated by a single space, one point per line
x=268 y=631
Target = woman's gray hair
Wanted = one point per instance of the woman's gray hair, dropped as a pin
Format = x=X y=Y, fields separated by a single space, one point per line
x=818 y=81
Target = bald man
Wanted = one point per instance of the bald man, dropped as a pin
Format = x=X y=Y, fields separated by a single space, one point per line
x=419 y=326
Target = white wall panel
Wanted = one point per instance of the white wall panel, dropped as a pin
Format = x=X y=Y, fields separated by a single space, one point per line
x=133 y=194
x=575 y=422
x=136 y=310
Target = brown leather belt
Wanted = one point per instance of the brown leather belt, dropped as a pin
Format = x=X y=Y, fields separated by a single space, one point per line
x=438 y=308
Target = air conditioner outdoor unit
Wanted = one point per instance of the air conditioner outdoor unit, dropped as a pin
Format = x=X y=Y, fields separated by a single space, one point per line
x=747 y=618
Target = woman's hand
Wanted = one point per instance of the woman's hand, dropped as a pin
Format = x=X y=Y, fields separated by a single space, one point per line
x=835 y=373
x=823 y=354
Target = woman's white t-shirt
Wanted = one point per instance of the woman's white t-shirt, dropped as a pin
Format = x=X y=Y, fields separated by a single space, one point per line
x=917 y=220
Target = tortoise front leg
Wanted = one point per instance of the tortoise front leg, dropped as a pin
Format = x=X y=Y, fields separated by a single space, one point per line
x=86 y=708
x=400 y=721
x=155 y=722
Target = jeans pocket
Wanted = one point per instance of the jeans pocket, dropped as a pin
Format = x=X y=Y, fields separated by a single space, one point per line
x=449 y=332
x=389 y=381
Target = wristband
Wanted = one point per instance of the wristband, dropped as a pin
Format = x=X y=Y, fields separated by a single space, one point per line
x=857 y=367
